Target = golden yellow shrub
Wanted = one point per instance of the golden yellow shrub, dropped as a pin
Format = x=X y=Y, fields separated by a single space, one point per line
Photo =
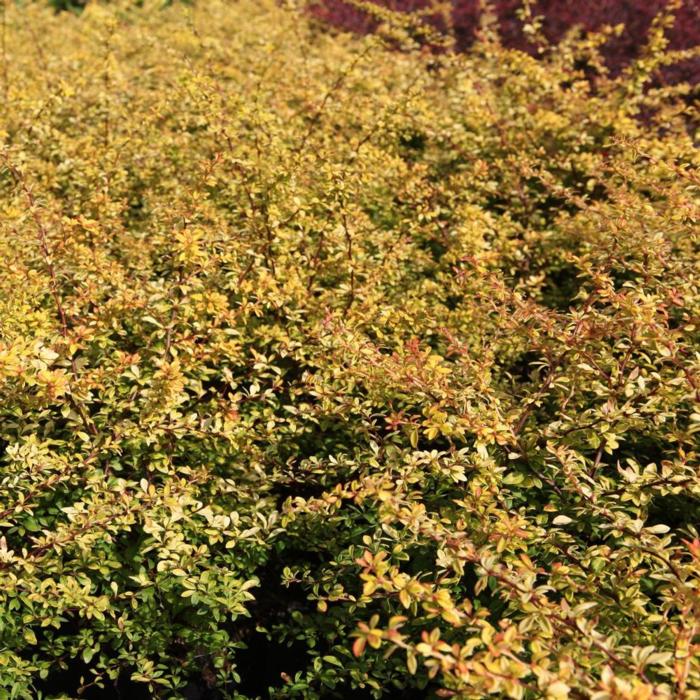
x=384 y=353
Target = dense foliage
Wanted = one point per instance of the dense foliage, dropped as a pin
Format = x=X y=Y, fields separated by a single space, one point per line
x=343 y=367
x=558 y=18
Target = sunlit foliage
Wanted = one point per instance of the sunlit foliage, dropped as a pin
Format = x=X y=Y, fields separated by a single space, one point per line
x=385 y=353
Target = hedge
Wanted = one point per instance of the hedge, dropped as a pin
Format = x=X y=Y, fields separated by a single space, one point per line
x=336 y=367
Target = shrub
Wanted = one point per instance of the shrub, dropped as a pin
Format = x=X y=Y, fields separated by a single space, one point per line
x=558 y=17
x=339 y=370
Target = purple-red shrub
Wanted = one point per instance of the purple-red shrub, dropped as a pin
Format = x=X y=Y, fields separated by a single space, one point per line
x=558 y=17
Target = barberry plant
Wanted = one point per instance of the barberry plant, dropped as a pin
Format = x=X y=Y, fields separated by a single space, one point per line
x=631 y=19
x=380 y=361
